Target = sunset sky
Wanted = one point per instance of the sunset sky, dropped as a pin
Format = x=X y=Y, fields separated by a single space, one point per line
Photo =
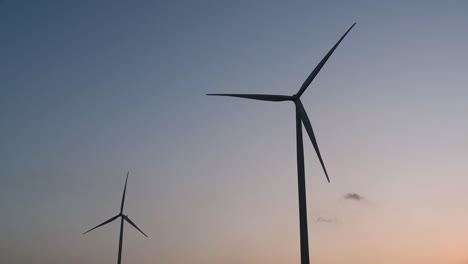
x=93 y=89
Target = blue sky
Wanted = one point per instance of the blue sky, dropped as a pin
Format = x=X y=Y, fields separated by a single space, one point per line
x=90 y=90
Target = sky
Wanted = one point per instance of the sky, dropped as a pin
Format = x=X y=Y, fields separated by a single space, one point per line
x=93 y=89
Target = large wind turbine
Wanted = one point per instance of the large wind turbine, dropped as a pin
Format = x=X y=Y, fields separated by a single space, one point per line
x=122 y=218
x=301 y=118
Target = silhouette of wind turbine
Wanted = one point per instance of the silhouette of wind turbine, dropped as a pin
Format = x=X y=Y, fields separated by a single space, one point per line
x=123 y=217
x=301 y=118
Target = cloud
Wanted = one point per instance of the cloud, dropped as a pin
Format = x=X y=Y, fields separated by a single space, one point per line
x=354 y=197
x=325 y=220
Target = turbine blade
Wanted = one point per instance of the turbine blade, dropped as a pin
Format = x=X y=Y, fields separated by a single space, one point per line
x=106 y=222
x=133 y=224
x=320 y=65
x=310 y=131
x=123 y=196
x=261 y=97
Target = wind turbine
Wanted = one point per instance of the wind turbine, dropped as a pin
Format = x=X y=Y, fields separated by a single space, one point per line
x=122 y=218
x=301 y=118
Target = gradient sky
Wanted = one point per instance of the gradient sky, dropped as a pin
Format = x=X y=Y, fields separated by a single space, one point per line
x=92 y=89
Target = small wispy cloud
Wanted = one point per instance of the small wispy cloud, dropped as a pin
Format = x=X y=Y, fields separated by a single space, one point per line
x=325 y=220
x=354 y=197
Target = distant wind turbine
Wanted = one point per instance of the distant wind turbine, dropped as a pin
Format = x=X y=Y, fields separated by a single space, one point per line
x=301 y=118
x=123 y=217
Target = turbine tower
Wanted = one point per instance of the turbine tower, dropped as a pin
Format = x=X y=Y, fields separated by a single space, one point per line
x=301 y=118
x=122 y=218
